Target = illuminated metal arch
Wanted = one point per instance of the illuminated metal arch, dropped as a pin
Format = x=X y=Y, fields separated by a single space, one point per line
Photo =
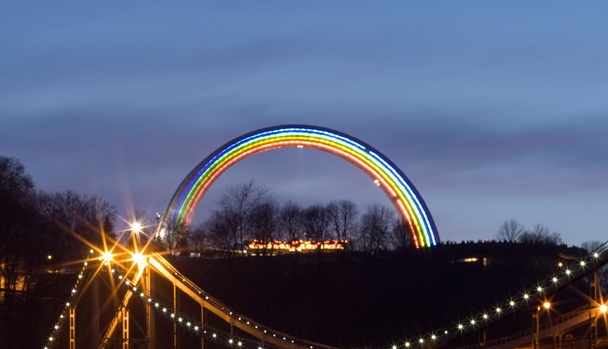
x=395 y=184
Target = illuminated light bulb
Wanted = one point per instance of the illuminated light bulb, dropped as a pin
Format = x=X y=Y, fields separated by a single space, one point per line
x=547 y=305
x=603 y=308
x=106 y=256
x=136 y=227
x=568 y=271
x=421 y=340
x=498 y=310
x=433 y=337
x=460 y=326
x=196 y=328
x=214 y=335
x=512 y=303
x=560 y=264
x=583 y=263
x=526 y=296
x=139 y=258
x=485 y=316
x=179 y=320
x=472 y=321
x=407 y=344
x=156 y=305
x=67 y=304
x=164 y=310
x=56 y=327
x=596 y=255
x=394 y=347
x=554 y=279
x=172 y=315
x=539 y=289
x=230 y=341
x=239 y=343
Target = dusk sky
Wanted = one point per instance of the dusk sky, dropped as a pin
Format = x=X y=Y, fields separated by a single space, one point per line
x=493 y=110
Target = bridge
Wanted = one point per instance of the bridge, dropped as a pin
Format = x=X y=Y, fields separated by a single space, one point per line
x=132 y=272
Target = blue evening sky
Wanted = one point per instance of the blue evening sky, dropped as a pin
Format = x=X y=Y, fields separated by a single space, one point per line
x=494 y=110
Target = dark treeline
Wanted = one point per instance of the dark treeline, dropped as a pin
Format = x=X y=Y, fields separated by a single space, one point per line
x=42 y=235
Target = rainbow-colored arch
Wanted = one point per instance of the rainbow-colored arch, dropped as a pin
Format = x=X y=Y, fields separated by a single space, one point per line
x=395 y=184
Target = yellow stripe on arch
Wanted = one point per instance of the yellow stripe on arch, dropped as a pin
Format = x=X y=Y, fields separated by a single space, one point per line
x=396 y=185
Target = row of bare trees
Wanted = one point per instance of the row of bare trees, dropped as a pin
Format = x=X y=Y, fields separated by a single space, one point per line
x=513 y=231
x=248 y=211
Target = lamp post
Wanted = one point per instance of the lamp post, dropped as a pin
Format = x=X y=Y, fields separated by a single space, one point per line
x=141 y=260
x=536 y=323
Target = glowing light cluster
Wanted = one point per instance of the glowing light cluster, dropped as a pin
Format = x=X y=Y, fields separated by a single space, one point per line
x=278 y=246
x=395 y=184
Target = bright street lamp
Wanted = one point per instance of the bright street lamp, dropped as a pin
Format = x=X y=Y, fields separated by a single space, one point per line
x=136 y=227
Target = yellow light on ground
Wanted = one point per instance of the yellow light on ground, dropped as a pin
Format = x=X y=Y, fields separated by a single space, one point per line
x=603 y=308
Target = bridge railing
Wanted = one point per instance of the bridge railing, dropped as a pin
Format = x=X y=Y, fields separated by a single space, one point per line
x=240 y=321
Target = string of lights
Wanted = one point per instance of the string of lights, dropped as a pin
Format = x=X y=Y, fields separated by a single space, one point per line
x=190 y=323
x=565 y=274
x=70 y=303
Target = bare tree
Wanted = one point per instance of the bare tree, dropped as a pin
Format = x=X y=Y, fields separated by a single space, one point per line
x=290 y=221
x=77 y=221
x=315 y=220
x=401 y=237
x=602 y=273
x=541 y=234
x=198 y=238
x=238 y=203
x=510 y=231
x=262 y=221
x=342 y=219
x=16 y=214
x=375 y=227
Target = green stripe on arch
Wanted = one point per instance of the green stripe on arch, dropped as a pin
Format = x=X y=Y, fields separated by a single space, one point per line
x=395 y=184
